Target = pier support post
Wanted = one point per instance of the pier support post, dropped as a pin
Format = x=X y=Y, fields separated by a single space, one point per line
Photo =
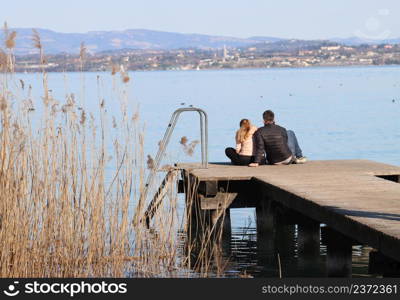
x=339 y=254
x=275 y=237
x=308 y=237
x=285 y=242
x=221 y=235
x=383 y=265
x=265 y=216
x=266 y=242
x=221 y=223
x=308 y=246
x=285 y=232
x=210 y=236
x=209 y=228
x=197 y=221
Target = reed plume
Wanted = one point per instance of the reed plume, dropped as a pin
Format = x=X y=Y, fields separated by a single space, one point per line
x=10 y=40
x=82 y=55
x=188 y=148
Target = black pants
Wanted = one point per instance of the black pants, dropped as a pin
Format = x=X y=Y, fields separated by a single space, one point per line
x=237 y=159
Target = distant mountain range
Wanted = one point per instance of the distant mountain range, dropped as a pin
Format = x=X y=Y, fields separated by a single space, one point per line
x=354 y=41
x=100 y=41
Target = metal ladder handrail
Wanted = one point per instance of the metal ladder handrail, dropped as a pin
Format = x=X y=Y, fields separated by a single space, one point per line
x=165 y=141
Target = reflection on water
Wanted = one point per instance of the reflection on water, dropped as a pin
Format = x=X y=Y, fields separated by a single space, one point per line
x=248 y=254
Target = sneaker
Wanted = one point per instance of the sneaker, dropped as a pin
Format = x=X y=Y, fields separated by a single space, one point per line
x=300 y=160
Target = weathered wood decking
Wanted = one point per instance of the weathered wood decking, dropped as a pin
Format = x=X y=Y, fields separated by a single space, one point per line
x=358 y=198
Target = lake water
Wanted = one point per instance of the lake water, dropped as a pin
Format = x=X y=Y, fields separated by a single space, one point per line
x=337 y=113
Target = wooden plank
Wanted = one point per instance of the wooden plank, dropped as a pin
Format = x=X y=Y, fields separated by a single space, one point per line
x=219 y=201
x=224 y=171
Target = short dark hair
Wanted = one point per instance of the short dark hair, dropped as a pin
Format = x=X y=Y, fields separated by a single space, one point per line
x=268 y=116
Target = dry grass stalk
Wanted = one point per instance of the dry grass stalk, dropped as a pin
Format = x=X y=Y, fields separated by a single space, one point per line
x=183 y=141
x=7 y=61
x=66 y=203
x=10 y=40
x=150 y=162
x=82 y=51
x=3 y=61
x=125 y=78
x=124 y=75
x=188 y=148
x=37 y=42
x=82 y=55
x=114 y=69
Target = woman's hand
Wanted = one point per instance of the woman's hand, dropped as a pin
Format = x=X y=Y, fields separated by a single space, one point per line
x=253 y=165
x=238 y=148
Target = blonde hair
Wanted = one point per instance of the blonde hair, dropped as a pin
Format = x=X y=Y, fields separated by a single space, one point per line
x=244 y=132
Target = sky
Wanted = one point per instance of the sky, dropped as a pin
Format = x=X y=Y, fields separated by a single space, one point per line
x=303 y=19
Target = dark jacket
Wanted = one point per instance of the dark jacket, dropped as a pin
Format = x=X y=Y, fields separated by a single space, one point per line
x=272 y=140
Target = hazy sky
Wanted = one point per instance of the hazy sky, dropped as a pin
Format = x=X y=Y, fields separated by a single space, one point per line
x=243 y=18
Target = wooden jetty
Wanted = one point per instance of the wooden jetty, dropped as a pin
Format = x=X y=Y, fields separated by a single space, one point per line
x=357 y=200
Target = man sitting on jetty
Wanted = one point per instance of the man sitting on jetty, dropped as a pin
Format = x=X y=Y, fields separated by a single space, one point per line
x=280 y=145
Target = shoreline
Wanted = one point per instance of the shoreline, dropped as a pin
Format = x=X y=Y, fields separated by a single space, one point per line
x=229 y=69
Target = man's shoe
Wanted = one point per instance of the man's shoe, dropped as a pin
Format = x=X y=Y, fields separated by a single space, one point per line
x=300 y=160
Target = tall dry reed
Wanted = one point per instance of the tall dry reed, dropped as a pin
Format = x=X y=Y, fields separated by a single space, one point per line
x=67 y=199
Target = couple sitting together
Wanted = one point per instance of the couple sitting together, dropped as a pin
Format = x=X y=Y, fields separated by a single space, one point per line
x=271 y=144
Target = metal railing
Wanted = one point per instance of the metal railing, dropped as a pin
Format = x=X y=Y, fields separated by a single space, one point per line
x=167 y=137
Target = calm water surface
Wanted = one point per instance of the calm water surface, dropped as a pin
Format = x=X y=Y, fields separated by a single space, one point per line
x=337 y=113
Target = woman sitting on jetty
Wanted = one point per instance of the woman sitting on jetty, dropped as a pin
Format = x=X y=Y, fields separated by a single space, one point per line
x=243 y=155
